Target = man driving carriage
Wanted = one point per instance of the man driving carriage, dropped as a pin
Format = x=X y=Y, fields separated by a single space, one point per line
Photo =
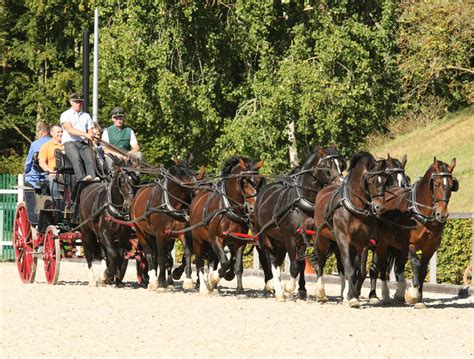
x=122 y=137
x=78 y=127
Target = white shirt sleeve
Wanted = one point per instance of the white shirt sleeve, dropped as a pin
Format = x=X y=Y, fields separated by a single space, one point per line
x=133 y=139
x=105 y=136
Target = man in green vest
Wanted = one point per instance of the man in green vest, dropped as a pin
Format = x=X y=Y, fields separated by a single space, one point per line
x=121 y=136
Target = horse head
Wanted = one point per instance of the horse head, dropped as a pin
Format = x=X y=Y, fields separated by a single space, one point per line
x=182 y=174
x=323 y=167
x=243 y=181
x=396 y=175
x=368 y=179
x=123 y=189
x=442 y=183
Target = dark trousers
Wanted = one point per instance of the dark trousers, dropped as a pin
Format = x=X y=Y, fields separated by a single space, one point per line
x=80 y=155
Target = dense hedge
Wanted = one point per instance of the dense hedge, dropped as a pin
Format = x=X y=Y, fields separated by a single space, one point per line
x=455 y=251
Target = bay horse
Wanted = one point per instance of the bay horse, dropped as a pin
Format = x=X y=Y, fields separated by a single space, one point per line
x=158 y=210
x=347 y=215
x=426 y=204
x=281 y=209
x=215 y=213
x=101 y=237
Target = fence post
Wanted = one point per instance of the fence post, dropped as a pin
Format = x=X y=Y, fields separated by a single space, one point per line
x=21 y=183
x=433 y=265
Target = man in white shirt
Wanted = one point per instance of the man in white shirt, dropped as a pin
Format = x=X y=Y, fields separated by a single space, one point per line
x=78 y=127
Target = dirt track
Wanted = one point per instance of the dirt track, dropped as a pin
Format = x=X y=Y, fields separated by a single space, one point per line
x=72 y=319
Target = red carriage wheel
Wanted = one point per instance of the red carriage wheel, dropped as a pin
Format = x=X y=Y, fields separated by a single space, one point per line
x=23 y=243
x=51 y=255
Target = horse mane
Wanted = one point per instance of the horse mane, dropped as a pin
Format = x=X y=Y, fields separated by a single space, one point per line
x=181 y=169
x=231 y=162
x=359 y=156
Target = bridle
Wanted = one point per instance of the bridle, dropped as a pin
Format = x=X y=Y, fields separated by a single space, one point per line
x=398 y=171
x=414 y=205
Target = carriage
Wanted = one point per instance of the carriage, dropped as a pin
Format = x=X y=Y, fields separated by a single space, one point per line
x=50 y=229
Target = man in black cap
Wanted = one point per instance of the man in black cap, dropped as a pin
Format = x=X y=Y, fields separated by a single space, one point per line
x=121 y=136
x=78 y=127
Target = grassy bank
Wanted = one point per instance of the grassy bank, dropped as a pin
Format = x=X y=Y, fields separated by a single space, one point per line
x=451 y=136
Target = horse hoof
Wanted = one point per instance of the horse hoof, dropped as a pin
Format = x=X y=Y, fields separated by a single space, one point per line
x=269 y=286
x=152 y=286
x=280 y=297
x=302 y=294
x=230 y=275
x=289 y=287
x=93 y=284
x=204 y=291
x=399 y=299
x=176 y=274
x=321 y=296
x=188 y=284
x=161 y=290
x=353 y=303
x=412 y=296
x=374 y=301
x=420 y=305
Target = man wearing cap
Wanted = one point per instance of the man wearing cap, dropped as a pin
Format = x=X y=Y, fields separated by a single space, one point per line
x=121 y=136
x=33 y=177
x=78 y=127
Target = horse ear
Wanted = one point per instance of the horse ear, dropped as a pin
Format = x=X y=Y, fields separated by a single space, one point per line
x=175 y=159
x=452 y=165
x=333 y=145
x=242 y=164
x=434 y=160
x=258 y=165
x=404 y=161
x=202 y=171
x=388 y=156
x=190 y=158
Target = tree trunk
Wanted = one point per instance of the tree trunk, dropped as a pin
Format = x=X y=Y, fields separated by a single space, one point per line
x=292 y=148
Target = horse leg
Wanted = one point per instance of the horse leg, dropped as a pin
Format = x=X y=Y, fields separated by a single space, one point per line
x=412 y=295
x=301 y=263
x=170 y=262
x=400 y=259
x=276 y=260
x=239 y=267
x=265 y=263
x=111 y=253
x=348 y=257
x=162 y=249
x=320 y=251
x=87 y=237
x=290 y=285
x=215 y=277
x=361 y=262
x=150 y=254
x=187 y=243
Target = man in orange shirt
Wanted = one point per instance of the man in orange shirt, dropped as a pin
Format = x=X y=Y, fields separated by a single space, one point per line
x=47 y=161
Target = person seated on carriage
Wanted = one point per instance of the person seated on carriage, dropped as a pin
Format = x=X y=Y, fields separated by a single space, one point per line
x=122 y=137
x=78 y=128
x=34 y=175
x=47 y=161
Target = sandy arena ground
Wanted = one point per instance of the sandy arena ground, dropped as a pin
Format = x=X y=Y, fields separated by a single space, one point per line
x=74 y=320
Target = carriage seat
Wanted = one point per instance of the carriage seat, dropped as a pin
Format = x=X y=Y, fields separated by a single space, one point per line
x=63 y=164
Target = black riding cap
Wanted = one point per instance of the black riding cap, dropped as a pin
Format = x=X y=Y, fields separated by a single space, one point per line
x=76 y=96
x=118 y=112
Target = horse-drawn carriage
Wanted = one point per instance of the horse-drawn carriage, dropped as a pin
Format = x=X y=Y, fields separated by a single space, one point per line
x=51 y=229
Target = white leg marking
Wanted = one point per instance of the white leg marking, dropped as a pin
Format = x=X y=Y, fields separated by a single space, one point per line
x=401 y=287
x=320 y=291
x=153 y=283
x=277 y=284
x=385 y=291
x=345 y=294
x=92 y=280
x=290 y=286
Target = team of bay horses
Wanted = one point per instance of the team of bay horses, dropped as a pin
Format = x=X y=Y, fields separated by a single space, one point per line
x=374 y=207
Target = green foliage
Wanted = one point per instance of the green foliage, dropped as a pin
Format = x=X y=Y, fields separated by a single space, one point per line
x=454 y=253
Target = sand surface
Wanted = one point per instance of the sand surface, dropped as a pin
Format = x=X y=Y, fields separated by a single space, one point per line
x=74 y=320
